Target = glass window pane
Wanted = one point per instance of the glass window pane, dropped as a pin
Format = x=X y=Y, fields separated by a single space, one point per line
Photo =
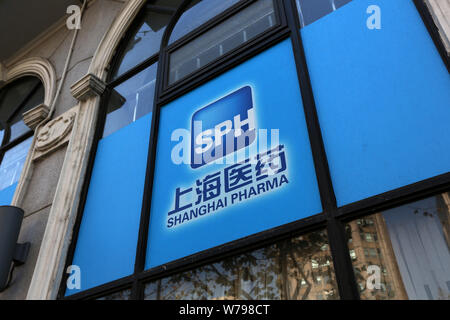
x=411 y=254
x=339 y=3
x=197 y=14
x=12 y=163
x=145 y=43
x=18 y=127
x=131 y=100
x=2 y=134
x=121 y=295
x=299 y=268
x=13 y=95
x=240 y=28
x=173 y=4
x=312 y=10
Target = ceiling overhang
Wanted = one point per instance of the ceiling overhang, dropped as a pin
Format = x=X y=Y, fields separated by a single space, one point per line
x=21 y=21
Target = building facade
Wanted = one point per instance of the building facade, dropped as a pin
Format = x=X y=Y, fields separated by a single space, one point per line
x=239 y=149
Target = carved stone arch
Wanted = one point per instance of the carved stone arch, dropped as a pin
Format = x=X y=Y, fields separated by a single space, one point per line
x=44 y=70
x=38 y=67
x=107 y=48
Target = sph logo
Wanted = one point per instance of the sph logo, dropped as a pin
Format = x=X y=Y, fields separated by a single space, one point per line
x=223 y=127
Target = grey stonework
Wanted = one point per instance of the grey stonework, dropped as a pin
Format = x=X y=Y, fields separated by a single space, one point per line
x=40 y=190
x=42 y=186
x=440 y=11
x=97 y=20
x=33 y=227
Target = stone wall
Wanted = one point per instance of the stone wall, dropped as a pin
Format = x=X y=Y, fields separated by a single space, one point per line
x=440 y=10
x=38 y=196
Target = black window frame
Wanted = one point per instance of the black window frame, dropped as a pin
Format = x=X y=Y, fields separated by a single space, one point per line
x=332 y=219
x=171 y=91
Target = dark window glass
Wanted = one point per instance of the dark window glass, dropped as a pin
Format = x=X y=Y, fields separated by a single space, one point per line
x=131 y=100
x=15 y=95
x=299 y=268
x=198 y=13
x=173 y=4
x=411 y=251
x=146 y=41
x=18 y=127
x=312 y=10
x=121 y=295
x=15 y=99
x=235 y=31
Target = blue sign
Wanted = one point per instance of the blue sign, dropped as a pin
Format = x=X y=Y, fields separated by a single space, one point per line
x=233 y=159
x=223 y=127
x=230 y=186
x=227 y=131
x=382 y=98
x=107 y=239
x=7 y=194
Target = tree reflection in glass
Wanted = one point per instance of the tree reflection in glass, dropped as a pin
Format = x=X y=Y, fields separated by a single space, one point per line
x=121 y=295
x=298 y=268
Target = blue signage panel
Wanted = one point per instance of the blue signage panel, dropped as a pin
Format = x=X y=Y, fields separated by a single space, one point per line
x=7 y=194
x=233 y=159
x=383 y=97
x=107 y=240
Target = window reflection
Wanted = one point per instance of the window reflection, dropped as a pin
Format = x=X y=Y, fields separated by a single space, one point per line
x=121 y=295
x=197 y=14
x=410 y=244
x=2 y=134
x=237 y=30
x=145 y=43
x=12 y=163
x=18 y=127
x=13 y=95
x=312 y=10
x=299 y=268
x=131 y=100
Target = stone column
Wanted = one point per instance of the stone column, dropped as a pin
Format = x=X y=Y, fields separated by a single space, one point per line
x=76 y=128
x=440 y=10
